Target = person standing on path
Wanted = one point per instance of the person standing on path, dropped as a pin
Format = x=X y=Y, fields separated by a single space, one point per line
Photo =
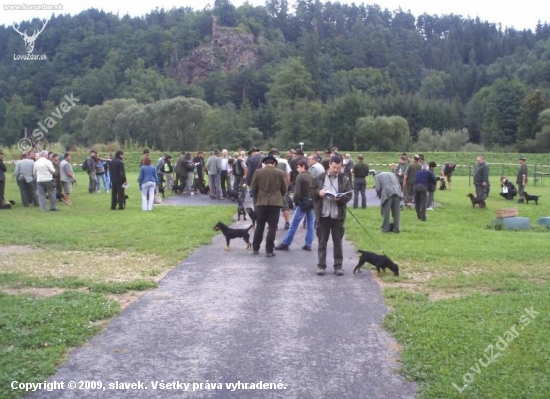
x=269 y=187
x=304 y=207
x=330 y=212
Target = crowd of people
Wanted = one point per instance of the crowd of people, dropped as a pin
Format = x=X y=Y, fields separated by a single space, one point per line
x=318 y=187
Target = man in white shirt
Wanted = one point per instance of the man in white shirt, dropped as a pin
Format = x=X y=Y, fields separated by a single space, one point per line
x=44 y=170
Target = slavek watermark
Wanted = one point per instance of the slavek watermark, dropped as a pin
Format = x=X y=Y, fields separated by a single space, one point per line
x=494 y=350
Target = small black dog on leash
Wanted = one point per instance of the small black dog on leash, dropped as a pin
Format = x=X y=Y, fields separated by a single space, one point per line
x=379 y=261
x=477 y=201
x=528 y=198
x=230 y=234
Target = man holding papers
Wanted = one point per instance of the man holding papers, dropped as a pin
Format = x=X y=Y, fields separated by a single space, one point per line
x=331 y=191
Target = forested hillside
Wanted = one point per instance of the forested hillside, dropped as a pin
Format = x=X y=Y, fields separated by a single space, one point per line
x=357 y=76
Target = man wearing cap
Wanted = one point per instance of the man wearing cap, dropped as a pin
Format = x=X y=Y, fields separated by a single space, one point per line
x=521 y=180
x=214 y=168
x=269 y=187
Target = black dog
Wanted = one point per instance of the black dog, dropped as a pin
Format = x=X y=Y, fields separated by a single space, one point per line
x=178 y=189
x=240 y=209
x=477 y=201
x=232 y=195
x=531 y=198
x=379 y=261
x=252 y=213
x=230 y=233
x=442 y=184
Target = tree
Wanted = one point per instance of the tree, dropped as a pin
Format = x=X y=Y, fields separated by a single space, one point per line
x=18 y=116
x=382 y=133
x=528 y=123
x=98 y=127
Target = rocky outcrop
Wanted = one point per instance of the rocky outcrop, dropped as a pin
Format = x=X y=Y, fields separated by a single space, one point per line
x=230 y=50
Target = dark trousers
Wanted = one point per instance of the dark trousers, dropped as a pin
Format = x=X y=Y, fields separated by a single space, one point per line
x=420 y=200
x=359 y=187
x=225 y=182
x=92 y=182
x=28 y=193
x=2 y=189
x=238 y=186
x=117 y=196
x=326 y=227
x=269 y=215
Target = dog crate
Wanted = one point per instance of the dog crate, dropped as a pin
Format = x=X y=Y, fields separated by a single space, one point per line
x=507 y=212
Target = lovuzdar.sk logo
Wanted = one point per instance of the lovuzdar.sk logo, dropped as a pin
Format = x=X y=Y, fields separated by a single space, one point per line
x=29 y=44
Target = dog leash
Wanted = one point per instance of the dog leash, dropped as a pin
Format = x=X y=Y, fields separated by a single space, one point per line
x=365 y=230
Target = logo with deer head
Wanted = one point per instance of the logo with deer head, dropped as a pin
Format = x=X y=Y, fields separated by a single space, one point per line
x=29 y=40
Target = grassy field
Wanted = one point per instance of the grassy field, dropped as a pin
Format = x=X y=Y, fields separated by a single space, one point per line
x=63 y=274
x=463 y=285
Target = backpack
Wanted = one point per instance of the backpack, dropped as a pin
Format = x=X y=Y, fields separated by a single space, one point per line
x=238 y=167
x=85 y=165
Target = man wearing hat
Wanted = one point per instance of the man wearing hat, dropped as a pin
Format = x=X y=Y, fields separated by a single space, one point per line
x=283 y=165
x=269 y=187
x=521 y=180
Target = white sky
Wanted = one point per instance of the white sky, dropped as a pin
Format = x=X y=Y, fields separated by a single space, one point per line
x=518 y=14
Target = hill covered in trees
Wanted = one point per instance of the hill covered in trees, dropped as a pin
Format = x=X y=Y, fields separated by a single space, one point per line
x=357 y=76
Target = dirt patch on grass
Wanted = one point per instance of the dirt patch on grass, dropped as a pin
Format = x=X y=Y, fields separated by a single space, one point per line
x=105 y=267
x=16 y=249
x=124 y=300
x=97 y=267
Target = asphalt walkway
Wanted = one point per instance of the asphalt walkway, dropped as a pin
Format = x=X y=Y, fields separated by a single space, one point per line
x=221 y=321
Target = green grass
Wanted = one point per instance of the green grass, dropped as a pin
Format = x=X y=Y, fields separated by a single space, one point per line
x=462 y=285
x=36 y=333
x=89 y=248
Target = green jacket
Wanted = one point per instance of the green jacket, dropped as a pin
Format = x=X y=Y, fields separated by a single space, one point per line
x=269 y=186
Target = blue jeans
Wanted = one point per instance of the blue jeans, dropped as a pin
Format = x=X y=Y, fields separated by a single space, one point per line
x=296 y=219
x=101 y=178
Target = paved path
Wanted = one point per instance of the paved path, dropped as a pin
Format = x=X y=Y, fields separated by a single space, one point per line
x=229 y=317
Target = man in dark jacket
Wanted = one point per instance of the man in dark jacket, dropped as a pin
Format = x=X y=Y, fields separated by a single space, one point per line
x=360 y=172
x=331 y=191
x=269 y=186
x=481 y=178
x=118 y=179
x=423 y=180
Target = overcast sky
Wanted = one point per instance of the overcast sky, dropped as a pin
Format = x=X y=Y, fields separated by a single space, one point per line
x=518 y=14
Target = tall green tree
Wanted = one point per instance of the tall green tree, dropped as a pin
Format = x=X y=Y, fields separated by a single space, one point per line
x=528 y=123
